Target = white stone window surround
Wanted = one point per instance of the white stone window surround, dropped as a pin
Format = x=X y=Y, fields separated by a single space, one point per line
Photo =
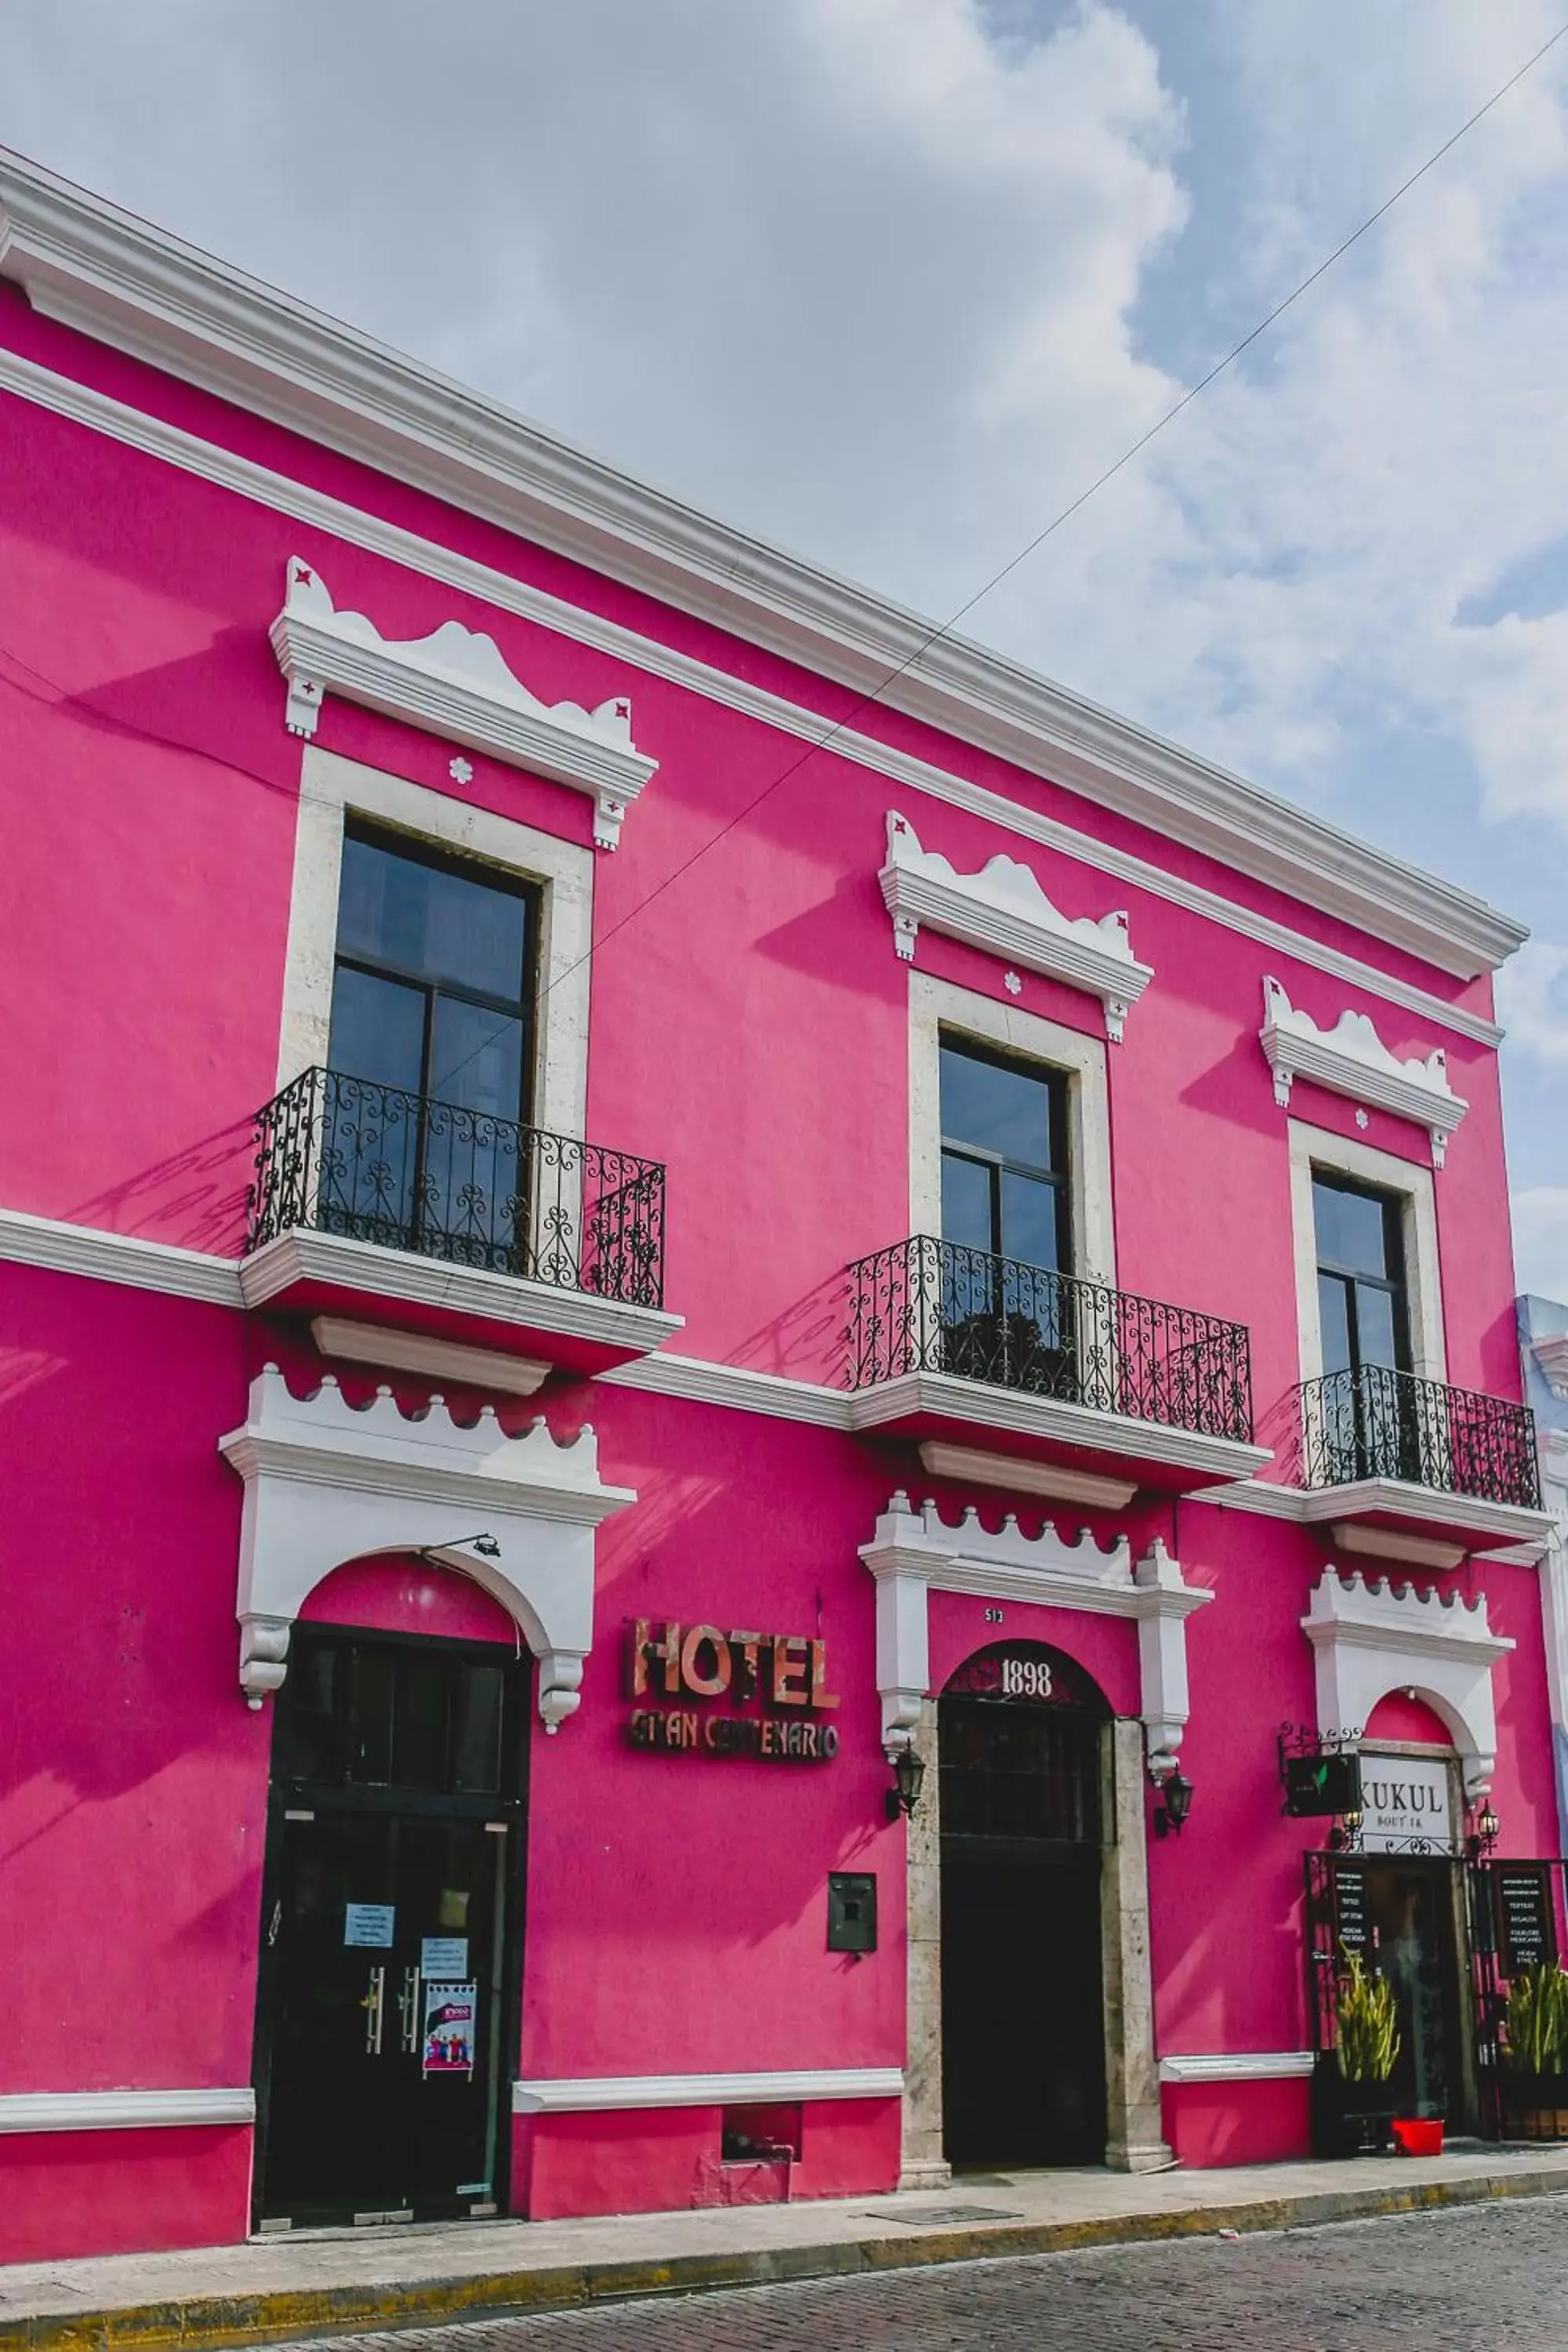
x=327 y=1482
x=939 y=1006
x=1004 y=911
x=1314 y=1149
x=914 y=1552
x=1371 y=1636
x=332 y=789
x=454 y=683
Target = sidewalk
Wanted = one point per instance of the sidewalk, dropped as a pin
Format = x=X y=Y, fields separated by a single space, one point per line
x=328 y=2282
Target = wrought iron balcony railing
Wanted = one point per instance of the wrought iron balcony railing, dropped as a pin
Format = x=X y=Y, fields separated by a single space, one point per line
x=928 y=1305
x=1376 y=1423
x=344 y=1155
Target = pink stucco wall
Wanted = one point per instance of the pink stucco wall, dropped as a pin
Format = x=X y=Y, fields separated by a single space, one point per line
x=749 y=1028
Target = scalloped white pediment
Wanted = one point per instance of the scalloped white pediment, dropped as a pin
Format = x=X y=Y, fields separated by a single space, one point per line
x=1371 y=1636
x=1352 y=1059
x=454 y=683
x=1004 y=910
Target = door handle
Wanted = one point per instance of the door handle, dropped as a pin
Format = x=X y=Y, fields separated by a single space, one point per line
x=374 y=2006
x=408 y=2002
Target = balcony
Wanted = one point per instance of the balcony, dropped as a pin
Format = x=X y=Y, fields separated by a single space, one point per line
x=423 y=1236
x=948 y=1342
x=1413 y=1469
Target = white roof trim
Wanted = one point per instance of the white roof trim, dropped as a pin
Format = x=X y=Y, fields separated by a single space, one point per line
x=1004 y=910
x=118 y=278
x=455 y=684
x=1352 y=1059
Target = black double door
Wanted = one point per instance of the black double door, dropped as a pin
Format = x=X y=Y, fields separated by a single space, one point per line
x=389 y=1978
x=1023 y=2012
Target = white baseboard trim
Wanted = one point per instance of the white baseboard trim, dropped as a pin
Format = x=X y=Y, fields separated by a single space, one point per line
x=1227 y=2066
x=587 y=2093
x=64 y=1248
x=81 y=2111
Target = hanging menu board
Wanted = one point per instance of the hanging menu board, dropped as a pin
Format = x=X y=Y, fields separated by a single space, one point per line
x=1524 y=1916
x=1349 y=1908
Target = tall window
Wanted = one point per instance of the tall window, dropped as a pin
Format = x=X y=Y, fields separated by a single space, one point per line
x=1368 y=1417
x=1006 y=1223
x=1005 y=1157
x=429 y=1056
x=1362 y=1300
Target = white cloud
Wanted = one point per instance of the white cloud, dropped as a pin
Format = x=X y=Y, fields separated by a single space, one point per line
x=1532 y=1002
x=1541 y=1241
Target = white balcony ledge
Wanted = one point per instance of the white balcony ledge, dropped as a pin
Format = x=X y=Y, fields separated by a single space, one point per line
x=576 y=1330
x=1424 y=1514
x=1182 y=1460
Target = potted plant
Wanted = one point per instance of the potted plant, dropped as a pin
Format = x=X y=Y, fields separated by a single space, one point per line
x=1535 y=2052
x=1355 y=2094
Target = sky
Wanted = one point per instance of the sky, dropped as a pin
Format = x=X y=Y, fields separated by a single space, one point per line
x=892 y=281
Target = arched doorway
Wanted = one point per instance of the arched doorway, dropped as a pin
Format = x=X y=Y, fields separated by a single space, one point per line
x=389 y=1986
x=1020 y=1744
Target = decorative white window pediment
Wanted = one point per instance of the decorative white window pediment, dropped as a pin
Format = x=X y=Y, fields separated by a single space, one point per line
x=1371 y=1637
x=1004 y=911
x=914 y=1552
x=327 y=1482
x=1352 y=1059
x=455 y=684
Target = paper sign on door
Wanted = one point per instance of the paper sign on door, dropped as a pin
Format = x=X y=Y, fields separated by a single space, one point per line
x=452 y=2025
x=369 y=1922
x=444 y=1956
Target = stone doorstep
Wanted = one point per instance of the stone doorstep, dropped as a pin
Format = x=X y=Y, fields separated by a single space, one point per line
x=198 y=2320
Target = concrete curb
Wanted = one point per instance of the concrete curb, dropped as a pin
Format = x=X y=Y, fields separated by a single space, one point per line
x=197 y=2321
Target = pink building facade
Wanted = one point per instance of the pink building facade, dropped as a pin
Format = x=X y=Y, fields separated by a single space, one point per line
x=679 y=1411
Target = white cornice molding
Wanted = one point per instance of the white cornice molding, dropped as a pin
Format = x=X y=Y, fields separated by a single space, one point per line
x=102 y=1256
x=1352 y=1059
x=1248 y=2066
x=134 y=287
x=303 y=1256
x=1473 y=1516
x=1371 y=1636
x=1004 y=911
x=135 y=429
x=92 y=2111
x=455 y=684
x=585 y=2094
x=978 y=1405
x=1551 y=1352
x=912 y=1553
x=735 y=1387
x=327 y=1482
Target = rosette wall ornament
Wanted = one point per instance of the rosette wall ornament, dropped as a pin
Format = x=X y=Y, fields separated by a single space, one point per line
x=1352 y=1059
x=453 y=684
x=1004 y=911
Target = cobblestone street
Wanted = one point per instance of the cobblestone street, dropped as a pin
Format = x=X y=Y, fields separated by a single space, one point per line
x=1491 y=2279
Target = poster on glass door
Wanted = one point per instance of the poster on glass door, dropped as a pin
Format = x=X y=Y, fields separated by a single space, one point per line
x=451 y=2027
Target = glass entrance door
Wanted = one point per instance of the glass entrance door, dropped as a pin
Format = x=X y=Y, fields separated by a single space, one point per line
x=389 y=1986
x=387 y=2016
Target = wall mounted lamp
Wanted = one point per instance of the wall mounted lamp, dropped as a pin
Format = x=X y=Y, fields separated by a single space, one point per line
x=1484 y=1833
x=1346 y=1832
x=909 y=1772
x=1175 y=1804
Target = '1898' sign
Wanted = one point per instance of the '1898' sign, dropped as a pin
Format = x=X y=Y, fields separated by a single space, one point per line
x=1027 y=1671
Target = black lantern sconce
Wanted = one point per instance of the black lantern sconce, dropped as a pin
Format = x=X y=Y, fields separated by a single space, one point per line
x=1175 y=1804
x=1345 y=1836
x=909 y=1772
x=1484 y=1833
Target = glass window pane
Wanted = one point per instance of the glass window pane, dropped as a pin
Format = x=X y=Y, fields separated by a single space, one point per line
x=966 y=1203
x=419 y=1723
x=1333 y=1314
x=476 y=1730
x=475 y=1059
x=1010 y=1112
x=1029 y=1221
x=1351 y=1230
x=378 y=1030
x=441 y=925
x=370 y=1717
x=1376 y=1328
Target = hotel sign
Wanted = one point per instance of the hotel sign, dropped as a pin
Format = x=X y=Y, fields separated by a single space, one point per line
x=696 y=1690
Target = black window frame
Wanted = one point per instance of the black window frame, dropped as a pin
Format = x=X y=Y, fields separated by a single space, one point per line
x=417 y=851
x=1395 y=1251
x=1057 y=1085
